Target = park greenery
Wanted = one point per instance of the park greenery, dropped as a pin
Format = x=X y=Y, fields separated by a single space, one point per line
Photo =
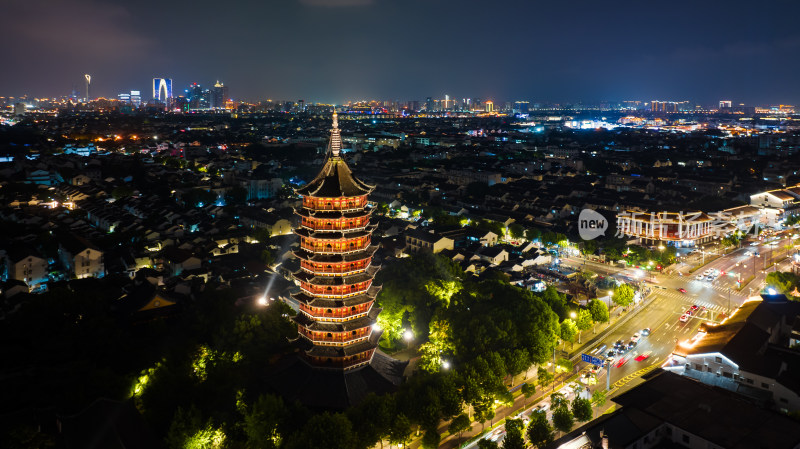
x=197 y=376
x=784 y=282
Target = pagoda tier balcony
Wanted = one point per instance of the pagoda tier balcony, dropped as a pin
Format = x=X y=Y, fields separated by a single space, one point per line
x=309 y=235
x=349 y=362
x=332 y=215
x=312 y=279
x=314 y=325
x=336 y=338
x=331 y=269
x=344 y=224
x=335 y=291
x=312 y=257
x=343 y=246
x=335 y=204
x=337 y=314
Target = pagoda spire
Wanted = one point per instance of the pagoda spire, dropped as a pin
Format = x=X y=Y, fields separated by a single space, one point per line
x=336 y=136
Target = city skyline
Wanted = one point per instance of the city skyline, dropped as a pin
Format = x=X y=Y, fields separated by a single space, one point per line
x=335 y=50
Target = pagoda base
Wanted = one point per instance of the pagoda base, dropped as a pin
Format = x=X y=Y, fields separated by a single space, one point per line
x=333 y=389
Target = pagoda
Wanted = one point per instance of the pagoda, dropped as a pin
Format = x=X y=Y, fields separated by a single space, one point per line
x=336 y=301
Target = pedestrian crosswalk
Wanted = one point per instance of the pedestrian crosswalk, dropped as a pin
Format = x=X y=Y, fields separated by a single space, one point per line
x=699 y=301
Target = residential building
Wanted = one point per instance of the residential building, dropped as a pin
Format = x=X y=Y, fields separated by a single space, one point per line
x=80 y=258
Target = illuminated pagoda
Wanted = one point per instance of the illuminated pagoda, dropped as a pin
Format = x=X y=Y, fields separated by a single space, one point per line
x=337 y=296
x=339 y=362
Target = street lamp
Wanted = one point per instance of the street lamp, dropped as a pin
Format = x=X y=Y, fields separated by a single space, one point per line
x=408 y=336
x=610 y=294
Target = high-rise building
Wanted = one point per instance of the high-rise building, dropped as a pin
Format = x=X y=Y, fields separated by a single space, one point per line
x=162 y=90
x=429 y=104
x=198 y=97
x=218 y=96
x=489 y=106
x=136 y=98
x=725 y=104
x=521 y=107
x=124 y=97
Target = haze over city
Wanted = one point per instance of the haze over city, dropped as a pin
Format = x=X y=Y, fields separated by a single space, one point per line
x=338 y=50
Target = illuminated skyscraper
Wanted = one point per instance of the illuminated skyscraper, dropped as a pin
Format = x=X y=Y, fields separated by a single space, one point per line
x=218 y=97
x=162 y=90
x=489 y=106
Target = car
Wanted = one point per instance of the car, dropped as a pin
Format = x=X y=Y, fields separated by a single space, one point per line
x=610 y=354
x=694 y=307
x=684 y=318
x=645 y=332
x=631 y=344
x=747 y=254
x=542 y=407
x=619 y=343
x=588 y=379
x=689 y=312
x=699 y=277
x=610 y=360
x=595 y=369
x=754 y=244
x=682 y=290
x=635 y=337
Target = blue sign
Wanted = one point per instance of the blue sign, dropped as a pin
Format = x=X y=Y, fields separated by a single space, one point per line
x=591 y=359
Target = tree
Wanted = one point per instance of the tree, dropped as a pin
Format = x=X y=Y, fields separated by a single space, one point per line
x=262 y=420
x=484 y=411
x=568 y=330
x=517 y=361
x=331 y=430
x=399 y=433
x=431 y=439
x=121 y=191
x=516 y=230
x=483 y=443
x=582 y=409
x=599 y=311
x=623 y=295
x=533 y=234
x=528 y=390
x=372 y=419
x=783 y=281
x=599 y=397
x=236 y=195
x=544 y=376
x=439 y=343
x=557 y=400
x=583 y=321
x=556 y=301
x=565 y=364
x=563 y=419
x=459 y=425
x=589 y=247
x=514 y=438
x=540 y=433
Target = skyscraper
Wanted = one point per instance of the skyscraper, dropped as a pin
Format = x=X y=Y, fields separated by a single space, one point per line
x=218 y=97
x=162 y=90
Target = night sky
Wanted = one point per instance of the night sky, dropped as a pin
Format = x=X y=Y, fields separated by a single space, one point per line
x=338 y=50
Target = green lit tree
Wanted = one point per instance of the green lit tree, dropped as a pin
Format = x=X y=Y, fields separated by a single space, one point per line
x=514 y=434
x=582 y=409
x=563 y=419
x=540 y=433
x=623 y=295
